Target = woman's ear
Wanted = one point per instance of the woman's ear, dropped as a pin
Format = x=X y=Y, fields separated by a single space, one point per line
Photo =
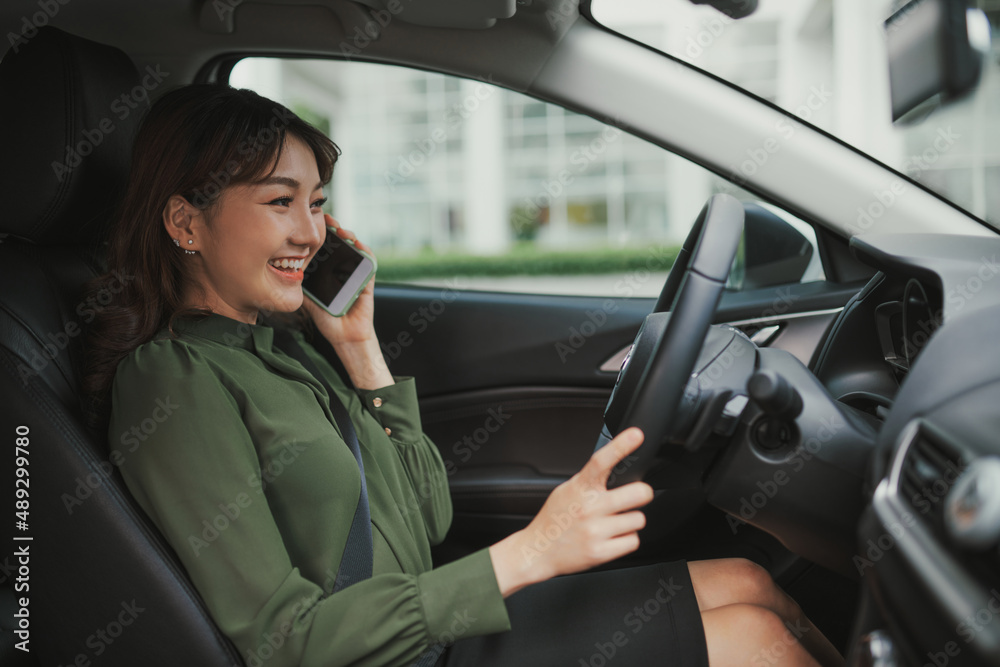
x=179 y=219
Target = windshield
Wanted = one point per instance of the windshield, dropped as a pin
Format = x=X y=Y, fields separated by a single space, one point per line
x=825 y=61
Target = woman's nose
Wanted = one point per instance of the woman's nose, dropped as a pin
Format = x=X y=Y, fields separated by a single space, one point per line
x=309 y=231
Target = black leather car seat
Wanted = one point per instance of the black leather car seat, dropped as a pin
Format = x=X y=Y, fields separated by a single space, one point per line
x=101 y=582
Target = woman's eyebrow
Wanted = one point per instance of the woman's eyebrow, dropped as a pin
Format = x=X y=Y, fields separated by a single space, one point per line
x=281 y=180
x=286 y=180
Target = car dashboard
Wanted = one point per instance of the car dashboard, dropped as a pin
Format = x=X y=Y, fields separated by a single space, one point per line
x=928 y=365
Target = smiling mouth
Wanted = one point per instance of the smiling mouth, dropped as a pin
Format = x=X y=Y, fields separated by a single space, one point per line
x=290 y=263
x=289 y=269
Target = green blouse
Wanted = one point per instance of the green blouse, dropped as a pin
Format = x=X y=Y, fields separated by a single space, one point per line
x=229 y=446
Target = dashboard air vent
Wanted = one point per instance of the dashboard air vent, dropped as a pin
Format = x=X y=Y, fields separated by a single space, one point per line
x=929 y=470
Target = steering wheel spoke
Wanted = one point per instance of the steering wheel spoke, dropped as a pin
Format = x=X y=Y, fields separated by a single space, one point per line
x=653 y=390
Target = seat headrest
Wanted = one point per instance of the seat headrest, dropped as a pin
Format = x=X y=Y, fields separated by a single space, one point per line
x=70 y=112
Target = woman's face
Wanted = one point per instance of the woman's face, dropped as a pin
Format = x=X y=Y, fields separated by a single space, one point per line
x=253 y=227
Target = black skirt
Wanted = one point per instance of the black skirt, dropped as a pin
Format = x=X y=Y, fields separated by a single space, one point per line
x=629 y=617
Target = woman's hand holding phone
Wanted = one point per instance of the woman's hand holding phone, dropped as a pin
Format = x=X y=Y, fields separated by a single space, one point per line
x=353 y=335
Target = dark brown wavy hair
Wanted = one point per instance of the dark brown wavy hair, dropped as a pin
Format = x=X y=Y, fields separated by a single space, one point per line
x=195 y=141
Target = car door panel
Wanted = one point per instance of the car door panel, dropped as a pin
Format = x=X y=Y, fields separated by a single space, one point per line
x=511 y=387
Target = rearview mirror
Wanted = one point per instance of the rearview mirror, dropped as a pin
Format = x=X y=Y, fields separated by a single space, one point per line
x=935 y=50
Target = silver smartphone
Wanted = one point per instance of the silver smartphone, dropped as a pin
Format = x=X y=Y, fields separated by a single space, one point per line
x=337 y=274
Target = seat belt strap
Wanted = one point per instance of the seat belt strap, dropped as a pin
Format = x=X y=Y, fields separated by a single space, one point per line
x=356 y=563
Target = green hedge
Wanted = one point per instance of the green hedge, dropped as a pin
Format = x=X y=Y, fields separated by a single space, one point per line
x=526 y=261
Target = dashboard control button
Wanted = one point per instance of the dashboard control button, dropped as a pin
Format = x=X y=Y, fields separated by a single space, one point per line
x=775 y=395
x=774 y=434
x=731 y=415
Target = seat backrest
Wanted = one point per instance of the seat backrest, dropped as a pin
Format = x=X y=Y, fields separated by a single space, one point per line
x=101 y=583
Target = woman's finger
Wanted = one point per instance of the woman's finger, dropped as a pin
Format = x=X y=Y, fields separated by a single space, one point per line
x=348 y=234
x=599 y=467
x=369 y=286
x=364 y=246
x=630 y=522
x=630 y=496
x=617 y=547
x=610 y=527
x=341 y=232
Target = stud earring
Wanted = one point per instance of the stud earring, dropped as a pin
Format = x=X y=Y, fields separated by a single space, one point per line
x=186 y=251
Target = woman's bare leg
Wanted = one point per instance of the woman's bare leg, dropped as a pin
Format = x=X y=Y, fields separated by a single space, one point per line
x=737 y=581
x=745 y=635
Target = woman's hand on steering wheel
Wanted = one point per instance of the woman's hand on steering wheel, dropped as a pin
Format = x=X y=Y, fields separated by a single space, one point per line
x=581 y=525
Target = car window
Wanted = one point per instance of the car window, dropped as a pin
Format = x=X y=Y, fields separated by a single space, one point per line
x=462 y=183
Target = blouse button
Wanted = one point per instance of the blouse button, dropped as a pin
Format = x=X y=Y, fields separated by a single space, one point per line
x=388 y=431
x=377 y=402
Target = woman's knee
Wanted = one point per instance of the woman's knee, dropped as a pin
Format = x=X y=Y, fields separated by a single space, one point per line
x=753 y=581
x=756 y=635
x=737 y=580
x=759 y=588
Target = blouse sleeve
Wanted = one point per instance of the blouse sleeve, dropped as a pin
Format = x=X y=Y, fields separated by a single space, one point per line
x=185 y=453
x=397 y=412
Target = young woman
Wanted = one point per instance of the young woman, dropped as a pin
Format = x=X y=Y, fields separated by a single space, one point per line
x=230 y=446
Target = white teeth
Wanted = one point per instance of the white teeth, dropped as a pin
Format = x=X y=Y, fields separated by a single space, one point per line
x=287 y=263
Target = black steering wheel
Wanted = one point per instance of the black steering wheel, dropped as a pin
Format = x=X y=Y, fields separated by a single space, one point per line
x=650 y=389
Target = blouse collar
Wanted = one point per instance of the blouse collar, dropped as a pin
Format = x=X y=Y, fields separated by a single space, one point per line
x=226 y=330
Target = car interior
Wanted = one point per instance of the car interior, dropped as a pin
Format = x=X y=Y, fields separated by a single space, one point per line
x=840 y=432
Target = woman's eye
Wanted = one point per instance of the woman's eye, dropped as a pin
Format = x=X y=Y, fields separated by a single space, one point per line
x=281 y=201
x=319 y=202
